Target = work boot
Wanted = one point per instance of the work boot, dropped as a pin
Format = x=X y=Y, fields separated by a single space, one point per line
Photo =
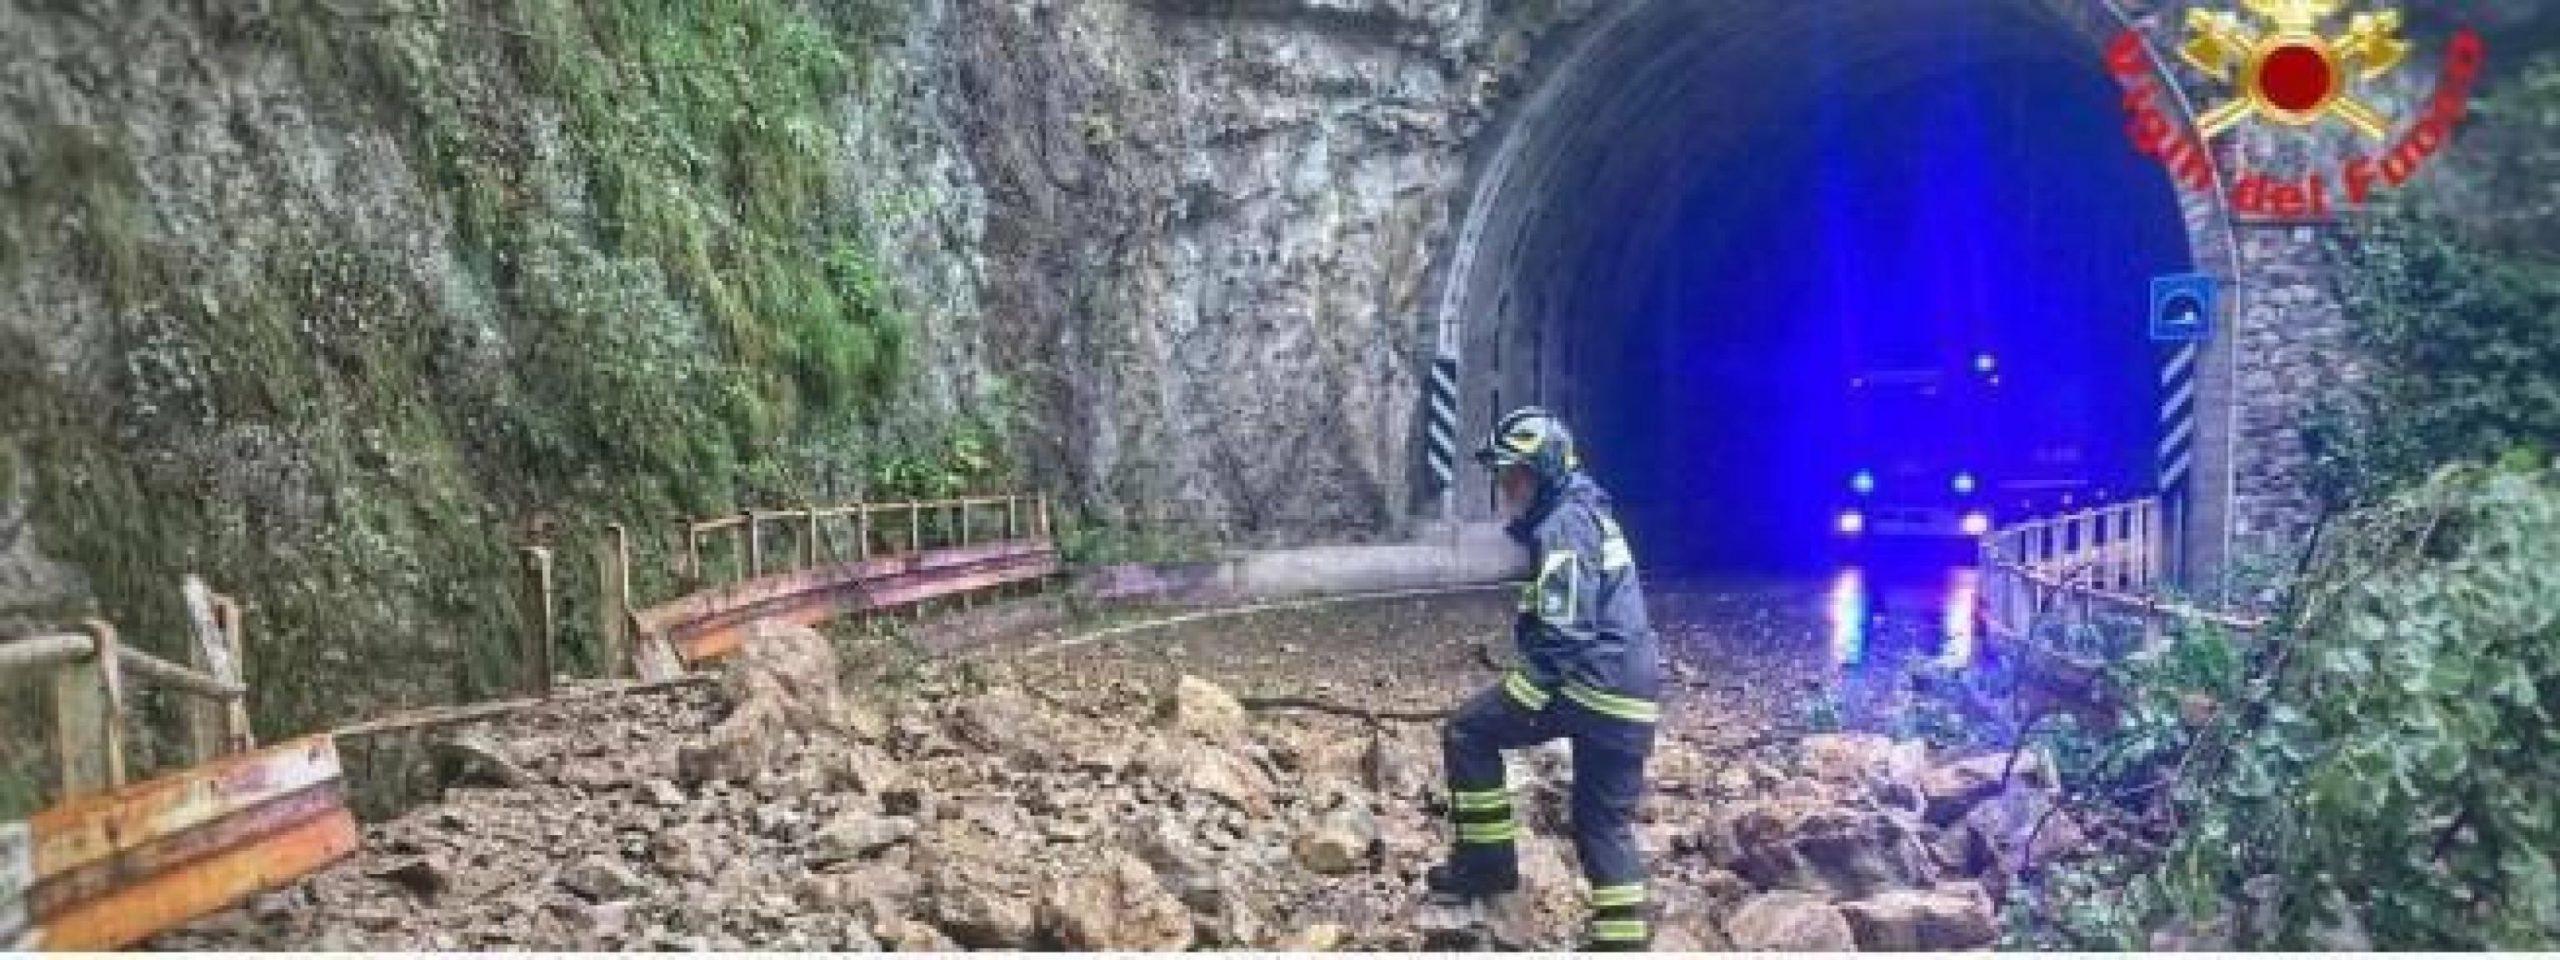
x=1447 y=883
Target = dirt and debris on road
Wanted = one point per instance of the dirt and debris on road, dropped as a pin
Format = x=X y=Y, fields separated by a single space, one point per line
x=1120 y=794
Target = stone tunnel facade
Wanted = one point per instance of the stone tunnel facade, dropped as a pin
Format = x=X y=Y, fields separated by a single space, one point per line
x=1612 y=104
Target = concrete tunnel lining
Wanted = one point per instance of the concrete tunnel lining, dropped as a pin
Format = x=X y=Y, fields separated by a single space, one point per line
x=1633 y=105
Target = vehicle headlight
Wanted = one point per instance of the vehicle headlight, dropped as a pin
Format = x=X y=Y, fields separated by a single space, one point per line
x=1852 y=522
x=1976 y=524
x=1963 y=482
x=1863 y=481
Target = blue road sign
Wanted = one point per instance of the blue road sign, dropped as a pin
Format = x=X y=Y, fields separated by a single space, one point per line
x=2182 y=308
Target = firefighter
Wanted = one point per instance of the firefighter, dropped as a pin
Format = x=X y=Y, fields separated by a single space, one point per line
x=1589 y=671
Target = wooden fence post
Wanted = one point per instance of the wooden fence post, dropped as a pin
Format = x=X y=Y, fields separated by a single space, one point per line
x=613 y=600
x=809 y=546
x=755 y=545
x=88 y=717
x=861 y=531
x=692 y=575
x=236 y=638
x=534 y=659
x=210 y=733
x=915 y=527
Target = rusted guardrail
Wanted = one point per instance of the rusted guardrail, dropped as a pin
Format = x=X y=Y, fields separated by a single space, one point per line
x=112 y=863
x=891 y=555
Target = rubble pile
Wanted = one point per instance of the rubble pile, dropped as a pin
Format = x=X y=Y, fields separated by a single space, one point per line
x=987 y=809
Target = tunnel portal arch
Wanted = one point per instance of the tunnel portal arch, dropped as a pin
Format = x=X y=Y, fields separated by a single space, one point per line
x=1647 y=77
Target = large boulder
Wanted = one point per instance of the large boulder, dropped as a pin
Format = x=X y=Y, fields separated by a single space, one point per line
x=1839 y=851
x=1789 y=920
x=1957 y=916
x=1952 y=789
x=781 y=685
x=1204 y=709
x=791 y=666
x=2022 y=824
x=1116 y=904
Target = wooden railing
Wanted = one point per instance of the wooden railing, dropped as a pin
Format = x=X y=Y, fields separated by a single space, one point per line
x=111 y=862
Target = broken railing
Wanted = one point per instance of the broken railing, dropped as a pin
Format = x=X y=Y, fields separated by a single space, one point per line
x=112 y=863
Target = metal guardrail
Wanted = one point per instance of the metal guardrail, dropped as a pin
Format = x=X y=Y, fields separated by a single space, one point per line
x=110 y=869
x=113 y=864
x=880 y=556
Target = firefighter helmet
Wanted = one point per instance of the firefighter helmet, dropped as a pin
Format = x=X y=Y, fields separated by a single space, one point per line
x=1534 y=438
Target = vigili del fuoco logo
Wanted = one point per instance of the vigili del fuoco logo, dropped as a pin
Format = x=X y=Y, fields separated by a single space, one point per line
x=2283 y=65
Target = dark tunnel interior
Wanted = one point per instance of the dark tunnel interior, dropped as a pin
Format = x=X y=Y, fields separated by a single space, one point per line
x=1951 y=190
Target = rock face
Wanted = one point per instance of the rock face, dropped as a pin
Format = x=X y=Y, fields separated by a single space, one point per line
x=1126 y=145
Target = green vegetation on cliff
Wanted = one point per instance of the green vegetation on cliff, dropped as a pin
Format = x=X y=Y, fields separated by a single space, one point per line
x=639 y=284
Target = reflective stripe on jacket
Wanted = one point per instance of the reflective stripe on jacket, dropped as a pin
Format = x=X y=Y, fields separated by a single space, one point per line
x=1582 y=630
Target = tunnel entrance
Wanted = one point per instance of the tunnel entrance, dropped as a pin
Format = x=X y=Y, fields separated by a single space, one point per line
x=1721 y=224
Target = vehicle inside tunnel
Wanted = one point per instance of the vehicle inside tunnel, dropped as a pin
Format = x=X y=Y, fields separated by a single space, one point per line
x=1910 y=267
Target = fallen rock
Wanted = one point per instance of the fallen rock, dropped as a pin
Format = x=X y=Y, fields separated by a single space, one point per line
x=1315 y=938
x=1006 y=722
x=1204 y=709
x=1344 y=841
x=911 y=936
x=1789 y=920
x=2021 y=823
x=1218 y=773
x=663 y=794
x=1957 y=916
x=791 y=666
x=608 y=922
x=599 y=878
x=858 y=835
x=780 y=682
x=1114 y=905
x=1842 y=852
x=981 y=917
x=423 y=877
x=863 y=768
x=1398 y=768
x=472 y=761
x=1952 y=789
x=681 y=853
